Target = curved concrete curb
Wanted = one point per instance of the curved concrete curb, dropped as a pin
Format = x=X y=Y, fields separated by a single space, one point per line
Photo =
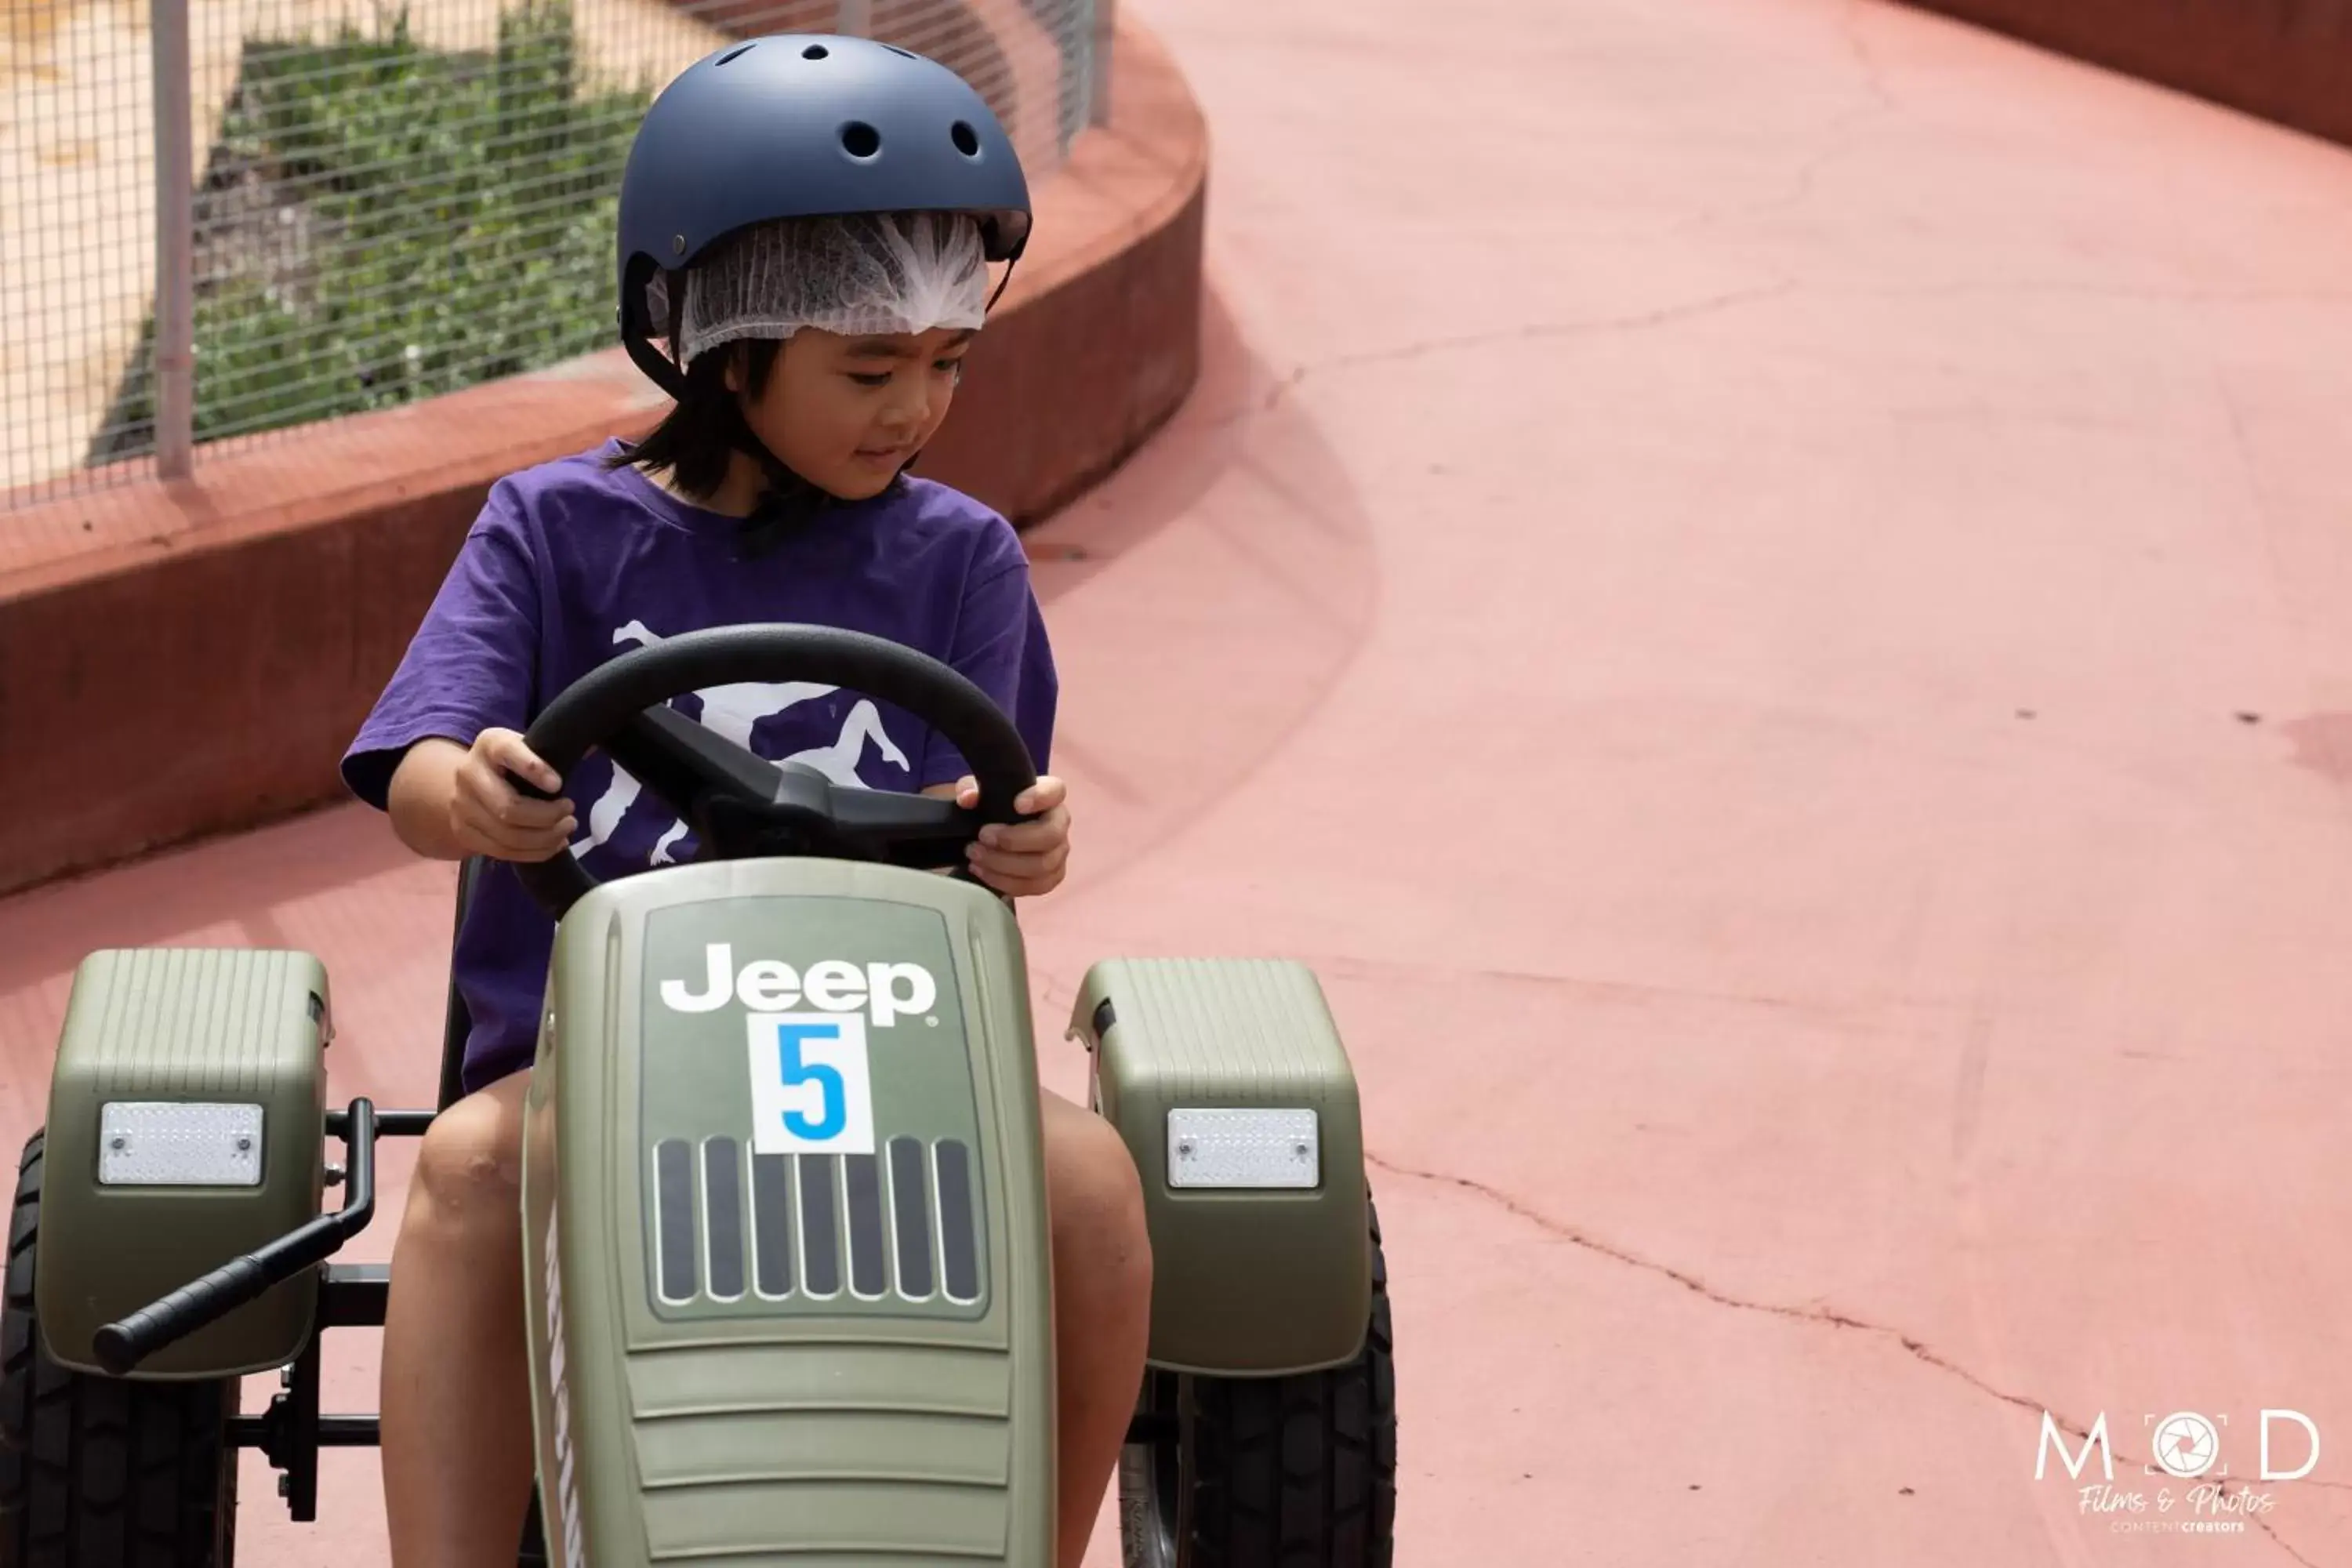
x=186 y=658
x=2290 y=64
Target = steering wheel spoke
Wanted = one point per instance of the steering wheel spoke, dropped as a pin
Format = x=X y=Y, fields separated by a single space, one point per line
x=921 y=831
x=685 y=766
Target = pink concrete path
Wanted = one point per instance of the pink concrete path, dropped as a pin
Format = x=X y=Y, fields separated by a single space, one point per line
x=1761 y=588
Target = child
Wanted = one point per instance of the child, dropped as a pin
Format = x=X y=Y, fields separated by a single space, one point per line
x=823 y=300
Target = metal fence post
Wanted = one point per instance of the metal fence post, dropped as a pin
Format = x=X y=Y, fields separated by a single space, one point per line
x=176 y=238
x=1099 y=89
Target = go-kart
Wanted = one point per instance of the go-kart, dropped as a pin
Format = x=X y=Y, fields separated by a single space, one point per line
x=786 y=1257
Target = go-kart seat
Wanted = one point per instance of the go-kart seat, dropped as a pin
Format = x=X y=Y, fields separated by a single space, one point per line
x=456 y=1023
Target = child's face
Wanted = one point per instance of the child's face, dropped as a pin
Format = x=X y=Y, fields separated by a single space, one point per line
x=847 y=413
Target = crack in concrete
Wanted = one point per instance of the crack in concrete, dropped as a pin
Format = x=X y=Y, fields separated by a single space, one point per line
x=1691 y=1282
x=1423 y=348
x=1800 y=190
x=1857 y=1013
x=1273 y=394
x=1839 y=138
x=1874 y=75
x=2271 y=1530
x=2157 y=293
x=1918 y=1349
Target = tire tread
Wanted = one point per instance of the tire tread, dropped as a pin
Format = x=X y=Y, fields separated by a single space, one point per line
x=1300 y=1472
x=95 y=1472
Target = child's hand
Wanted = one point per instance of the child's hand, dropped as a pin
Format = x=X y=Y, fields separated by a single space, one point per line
x=1022 y=860
x=488 y=817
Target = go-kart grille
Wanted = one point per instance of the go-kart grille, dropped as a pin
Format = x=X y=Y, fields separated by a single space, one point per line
x=823 y=1453
x=898 y=1229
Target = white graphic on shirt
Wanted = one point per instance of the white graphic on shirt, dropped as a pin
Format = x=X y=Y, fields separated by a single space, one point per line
x=733 y=710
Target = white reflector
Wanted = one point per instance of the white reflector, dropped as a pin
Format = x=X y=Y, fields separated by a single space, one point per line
x=1245 y=1149
x=158 y=1144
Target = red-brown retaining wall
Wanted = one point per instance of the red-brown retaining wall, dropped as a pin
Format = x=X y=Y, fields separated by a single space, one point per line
x=186 y=658
x=2286 y=60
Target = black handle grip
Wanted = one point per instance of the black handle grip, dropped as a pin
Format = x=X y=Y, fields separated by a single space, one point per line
x=122 y=1345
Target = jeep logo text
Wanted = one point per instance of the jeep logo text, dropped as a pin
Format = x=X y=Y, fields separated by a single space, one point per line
x=884 y=991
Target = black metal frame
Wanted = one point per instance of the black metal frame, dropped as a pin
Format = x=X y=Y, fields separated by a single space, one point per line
x=293 y=1431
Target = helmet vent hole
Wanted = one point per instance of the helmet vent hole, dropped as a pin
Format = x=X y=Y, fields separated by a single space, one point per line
x=814 y=52
x=860 y=139
x=897 y=50
x=966 y=139
x=735 y=54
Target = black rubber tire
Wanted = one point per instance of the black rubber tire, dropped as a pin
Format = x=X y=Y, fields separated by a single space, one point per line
x=98 y=1472
x=1292 y=1472
x=533 y=1553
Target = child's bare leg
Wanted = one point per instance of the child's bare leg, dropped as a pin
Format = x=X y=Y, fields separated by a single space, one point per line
x=1102 y=1306
x=457 y=1461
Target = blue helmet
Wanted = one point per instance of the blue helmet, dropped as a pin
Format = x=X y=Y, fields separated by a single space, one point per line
x=805 y=125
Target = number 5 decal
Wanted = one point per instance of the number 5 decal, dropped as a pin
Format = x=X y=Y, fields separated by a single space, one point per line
x=812 y=1092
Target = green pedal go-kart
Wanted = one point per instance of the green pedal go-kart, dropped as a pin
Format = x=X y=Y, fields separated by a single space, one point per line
x=786 y=1255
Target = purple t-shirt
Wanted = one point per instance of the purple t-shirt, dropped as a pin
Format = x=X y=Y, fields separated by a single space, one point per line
x=572 y=563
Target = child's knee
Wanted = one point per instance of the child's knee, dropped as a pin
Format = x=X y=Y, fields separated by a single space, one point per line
x=1098 y=1218
x=470 y=1165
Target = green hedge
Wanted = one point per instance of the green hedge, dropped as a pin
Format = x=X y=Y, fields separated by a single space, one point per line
x=459 y=212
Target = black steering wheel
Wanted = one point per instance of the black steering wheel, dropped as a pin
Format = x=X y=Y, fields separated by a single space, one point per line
x=739 y=805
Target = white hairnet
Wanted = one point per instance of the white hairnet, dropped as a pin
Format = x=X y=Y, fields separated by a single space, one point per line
x=859 y=275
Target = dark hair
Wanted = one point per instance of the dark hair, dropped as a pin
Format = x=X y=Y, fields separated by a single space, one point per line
x=697 y=439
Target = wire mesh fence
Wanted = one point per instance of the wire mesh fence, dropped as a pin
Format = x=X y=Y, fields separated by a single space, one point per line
x=383 y=200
